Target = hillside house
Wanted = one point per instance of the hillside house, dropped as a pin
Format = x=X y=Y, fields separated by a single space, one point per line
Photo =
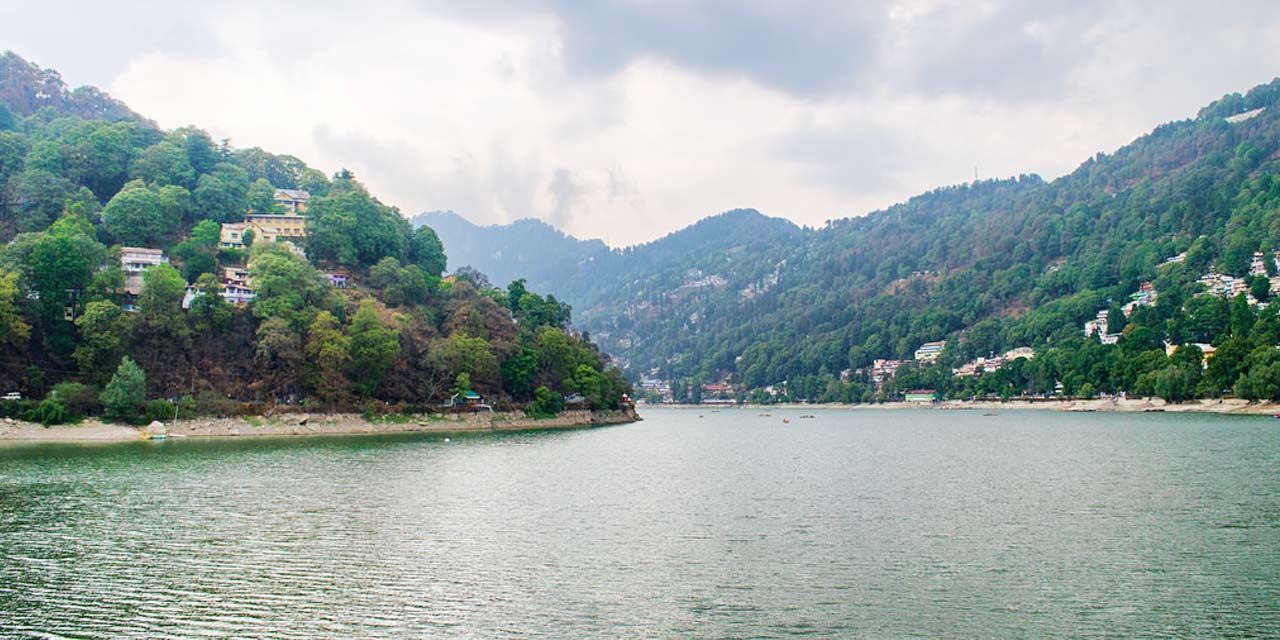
x=294 y=201
x=233 y=234
x=137 y=259
x=289 y=226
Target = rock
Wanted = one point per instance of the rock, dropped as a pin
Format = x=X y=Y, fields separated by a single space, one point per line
x=304 y=420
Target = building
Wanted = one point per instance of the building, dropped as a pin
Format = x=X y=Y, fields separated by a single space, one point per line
x=294 y=201
x=137 y=259
x=921 y=395
x=1019 y=352
x=929 y=351
x=290 y=226
x=233 y=234
x=1098 y=325
x=337 y=279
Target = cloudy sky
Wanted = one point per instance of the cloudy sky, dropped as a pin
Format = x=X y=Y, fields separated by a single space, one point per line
x=627 y=119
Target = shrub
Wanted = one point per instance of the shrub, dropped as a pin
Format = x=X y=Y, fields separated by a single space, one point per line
x=79 y=399
x=160 y=409
x=50 y=412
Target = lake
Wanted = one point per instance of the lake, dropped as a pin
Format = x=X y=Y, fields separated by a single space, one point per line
x=693 y=523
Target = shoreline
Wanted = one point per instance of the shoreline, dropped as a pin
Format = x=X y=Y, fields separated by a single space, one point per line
x=290 y=425
x=1229 y=406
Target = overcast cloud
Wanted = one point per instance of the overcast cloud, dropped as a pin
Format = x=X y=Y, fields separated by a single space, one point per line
x=626 y=120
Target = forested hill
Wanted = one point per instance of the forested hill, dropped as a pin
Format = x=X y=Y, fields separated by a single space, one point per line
x=26 y=89
x=138 y=263
x=990 y=266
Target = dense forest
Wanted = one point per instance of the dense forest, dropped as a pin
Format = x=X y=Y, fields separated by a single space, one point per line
x=991 y=266
x=82 y=177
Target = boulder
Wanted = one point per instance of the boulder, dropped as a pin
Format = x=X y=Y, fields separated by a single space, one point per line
x=156 y=428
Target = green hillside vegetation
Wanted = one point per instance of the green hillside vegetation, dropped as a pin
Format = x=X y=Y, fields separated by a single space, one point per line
x=989 y=267
x=80 y=181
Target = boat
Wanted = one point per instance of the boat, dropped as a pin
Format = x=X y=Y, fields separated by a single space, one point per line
x=786 y=421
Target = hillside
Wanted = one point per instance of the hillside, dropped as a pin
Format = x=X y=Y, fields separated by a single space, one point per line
x=989 y=267
x=139 y=263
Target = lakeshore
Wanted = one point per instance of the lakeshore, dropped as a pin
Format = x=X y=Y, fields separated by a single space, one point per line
x=312 y=424
x=1234 y=406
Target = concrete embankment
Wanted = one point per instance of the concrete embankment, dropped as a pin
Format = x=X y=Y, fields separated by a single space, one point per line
x=314 y=424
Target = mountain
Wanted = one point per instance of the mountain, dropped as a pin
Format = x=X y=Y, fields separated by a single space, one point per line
x=137 y=262
x=26 y=89
x=529 y=248
x=988 y=266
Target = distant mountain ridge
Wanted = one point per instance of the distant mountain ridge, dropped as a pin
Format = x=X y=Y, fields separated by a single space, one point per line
x=990 y=266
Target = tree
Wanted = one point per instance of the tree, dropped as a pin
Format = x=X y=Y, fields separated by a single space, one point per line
x=399 y=285
x=224 y=194
x=13 y=330
x=124 y=396
x=328 y=354
x=427 y=251
x=206 y=234
x=278 y=355
x=210 y=313
x=164 y=163
x=374 y=346
x=262 y=198
x=138 y=216
x=247 y=237
x=160 y=303
x=287 y=285
x=104 y=330
x=37 y=198
x=546 y=403
x=1260 y=287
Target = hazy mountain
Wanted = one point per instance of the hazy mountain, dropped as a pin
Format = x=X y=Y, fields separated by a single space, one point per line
x=992 y=265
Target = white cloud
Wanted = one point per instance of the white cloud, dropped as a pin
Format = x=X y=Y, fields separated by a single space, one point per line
x=493 y=116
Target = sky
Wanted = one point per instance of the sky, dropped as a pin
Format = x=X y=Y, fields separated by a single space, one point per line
x=628 y=119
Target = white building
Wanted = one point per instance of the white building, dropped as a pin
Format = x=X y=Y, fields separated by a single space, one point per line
x=929 y=351
x=137 y=259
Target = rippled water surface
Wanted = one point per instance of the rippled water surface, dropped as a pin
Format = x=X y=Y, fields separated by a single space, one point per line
x=876 y=524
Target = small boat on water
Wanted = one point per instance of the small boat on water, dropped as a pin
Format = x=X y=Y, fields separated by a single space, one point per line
x=786 y=421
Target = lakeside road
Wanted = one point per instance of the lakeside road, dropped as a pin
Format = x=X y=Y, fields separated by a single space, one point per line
x=1117 y=405
x=92 y=431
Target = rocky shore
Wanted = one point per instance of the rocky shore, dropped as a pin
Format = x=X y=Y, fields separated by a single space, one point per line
x=312 y=424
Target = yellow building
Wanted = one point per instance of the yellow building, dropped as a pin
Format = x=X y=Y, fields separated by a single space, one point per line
x=233 y=234
x=285 y=226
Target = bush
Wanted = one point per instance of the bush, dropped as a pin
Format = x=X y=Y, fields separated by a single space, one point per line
x=546 y=404
x=80 y=400
x=50 y=412
x=160 y=409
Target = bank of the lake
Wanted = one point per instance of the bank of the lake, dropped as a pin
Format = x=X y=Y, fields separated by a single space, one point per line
x=1235 y=406
x=315 y=424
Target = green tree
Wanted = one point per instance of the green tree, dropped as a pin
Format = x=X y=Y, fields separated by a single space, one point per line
x=14 y=331
x=104 y=331
x=262 y=198
x=427 y=251
x=374 y=346
x=206 y=234
x=138 y=216
x=164 y=163
x=223 y=195
x=328 y=356
x=124 y=396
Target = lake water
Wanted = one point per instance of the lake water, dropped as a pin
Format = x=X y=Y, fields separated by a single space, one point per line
x=875 y=524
